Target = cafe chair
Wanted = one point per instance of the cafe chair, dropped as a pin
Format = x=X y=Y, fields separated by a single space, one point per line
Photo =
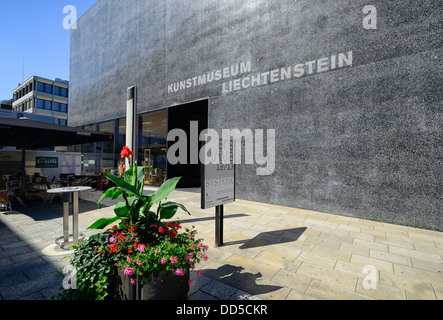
x=4 y=199
x=49 y=195
x=15 y=194
x=42 y=183
x=85 y=183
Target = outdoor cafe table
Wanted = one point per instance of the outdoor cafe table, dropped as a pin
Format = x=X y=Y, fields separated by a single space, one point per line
x=68 y=194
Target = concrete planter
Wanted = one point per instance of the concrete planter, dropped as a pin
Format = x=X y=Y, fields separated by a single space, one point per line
x=164 y=287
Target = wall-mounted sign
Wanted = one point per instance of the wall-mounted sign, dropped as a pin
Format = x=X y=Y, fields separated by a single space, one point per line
x=218 y=178
x=46 y=162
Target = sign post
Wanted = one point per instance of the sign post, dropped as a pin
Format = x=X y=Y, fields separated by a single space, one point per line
x=218 y=183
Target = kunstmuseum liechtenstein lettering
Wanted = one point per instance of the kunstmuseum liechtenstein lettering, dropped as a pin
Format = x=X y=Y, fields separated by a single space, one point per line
x=332 y=106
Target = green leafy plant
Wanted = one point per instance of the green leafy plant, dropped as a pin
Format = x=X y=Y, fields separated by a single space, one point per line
x=94 y=270
x=136 y=208
x=143 y=244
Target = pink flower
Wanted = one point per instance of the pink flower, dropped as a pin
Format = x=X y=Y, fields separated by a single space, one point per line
x=205 y=257
x=190 y=236
x=133 y=281
x=129 y=271
x=163 y=260
x=179 y=272
x=199 y=272
x=206 y=248
x=199 y=245
x=139 y=262
x=192 y=246
x=155 y=253
x=190 y=281
x=112 y=240
x=174 y=260
x=141 y=247
x=129 y=259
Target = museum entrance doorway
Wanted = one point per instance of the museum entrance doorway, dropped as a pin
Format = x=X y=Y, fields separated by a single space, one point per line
x=180 y=117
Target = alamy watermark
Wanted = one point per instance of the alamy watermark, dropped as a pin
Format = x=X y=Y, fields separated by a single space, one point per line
x=70 y=20
x=370 y=281
x=254 y=146
x=70 y=280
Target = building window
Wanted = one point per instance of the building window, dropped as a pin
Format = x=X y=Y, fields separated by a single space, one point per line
x=40 y=103
x=48 y=88
x=63 y=107
x=62 y=122
x=56 y=90
x=56 y=106
x=40 y=87
x=64 y=92
x=48 y=105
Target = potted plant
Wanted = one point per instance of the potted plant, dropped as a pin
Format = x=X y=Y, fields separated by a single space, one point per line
x=146 y=255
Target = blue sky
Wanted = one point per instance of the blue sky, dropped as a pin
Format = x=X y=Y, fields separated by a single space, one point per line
x=33 y=30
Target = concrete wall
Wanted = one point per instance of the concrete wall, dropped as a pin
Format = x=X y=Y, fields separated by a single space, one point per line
x=362 y=140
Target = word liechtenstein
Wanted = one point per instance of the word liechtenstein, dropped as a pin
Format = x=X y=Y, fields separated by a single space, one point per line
x=247 y=79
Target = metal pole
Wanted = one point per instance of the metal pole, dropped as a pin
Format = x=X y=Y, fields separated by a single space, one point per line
x=66 y=200
x=221 y=226
x=131 y=123
x=218 y=226
x=75 y=217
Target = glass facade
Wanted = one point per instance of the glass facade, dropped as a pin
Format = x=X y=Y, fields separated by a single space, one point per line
x=105 y=156
x=152 y=133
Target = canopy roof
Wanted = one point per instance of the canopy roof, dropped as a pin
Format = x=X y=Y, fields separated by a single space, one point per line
x=28 y=134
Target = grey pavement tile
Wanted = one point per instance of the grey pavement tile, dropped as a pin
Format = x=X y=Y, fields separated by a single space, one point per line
x=12 y=277
x=20 y=258
x=15 y=252
x=34 y=269
x=241 y=295
x=200 y=295
x=30 y=287
x=198 y=282
x=219 y=290
x=36 y=296
x=5 y=262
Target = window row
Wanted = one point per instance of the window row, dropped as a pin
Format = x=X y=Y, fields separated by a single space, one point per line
x=48 y=88
x=54 y=106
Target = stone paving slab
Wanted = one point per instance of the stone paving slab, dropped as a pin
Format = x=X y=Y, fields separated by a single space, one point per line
x=270 y=252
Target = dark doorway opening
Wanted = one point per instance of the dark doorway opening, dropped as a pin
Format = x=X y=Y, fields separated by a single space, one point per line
x=180 y=117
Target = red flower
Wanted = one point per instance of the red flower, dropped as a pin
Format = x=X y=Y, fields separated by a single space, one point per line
x=122 y=169
x=126 y=152
x=113 y=247
x=161 y=230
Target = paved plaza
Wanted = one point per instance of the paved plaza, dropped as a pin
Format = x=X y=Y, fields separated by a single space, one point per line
x=270 y=252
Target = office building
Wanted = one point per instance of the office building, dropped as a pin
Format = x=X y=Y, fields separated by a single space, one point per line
x=43 y=97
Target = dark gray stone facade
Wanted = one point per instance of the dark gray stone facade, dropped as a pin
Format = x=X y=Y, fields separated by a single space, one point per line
x=363 y=139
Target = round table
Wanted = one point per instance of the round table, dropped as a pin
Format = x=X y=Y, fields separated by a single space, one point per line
x=68 y=194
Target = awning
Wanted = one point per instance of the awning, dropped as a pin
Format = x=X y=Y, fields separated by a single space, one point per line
x=28 y=134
